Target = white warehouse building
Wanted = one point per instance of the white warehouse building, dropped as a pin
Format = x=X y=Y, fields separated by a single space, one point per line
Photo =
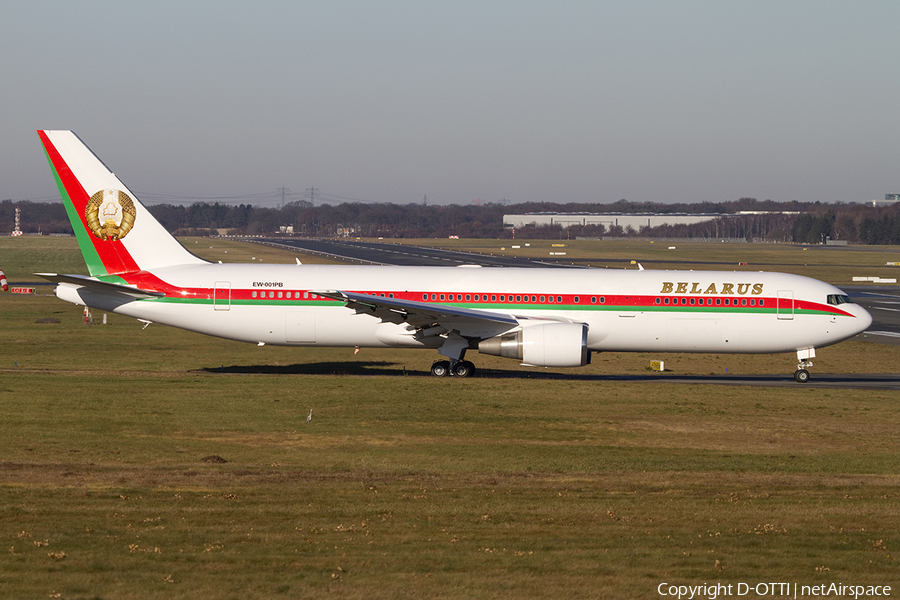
x=636 y=221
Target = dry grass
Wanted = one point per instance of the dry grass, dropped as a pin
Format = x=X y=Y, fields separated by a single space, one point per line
x=522 y=484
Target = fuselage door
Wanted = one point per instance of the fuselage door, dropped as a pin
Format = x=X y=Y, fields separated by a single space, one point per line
x=222 y=295
x=784 y=306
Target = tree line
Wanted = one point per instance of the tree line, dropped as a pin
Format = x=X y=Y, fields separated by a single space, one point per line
x=807 y=223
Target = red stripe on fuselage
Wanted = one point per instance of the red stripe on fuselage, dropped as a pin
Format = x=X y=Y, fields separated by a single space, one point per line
x=148 y=281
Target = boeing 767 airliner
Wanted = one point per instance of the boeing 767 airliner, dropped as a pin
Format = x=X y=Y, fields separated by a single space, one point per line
x=543 y=317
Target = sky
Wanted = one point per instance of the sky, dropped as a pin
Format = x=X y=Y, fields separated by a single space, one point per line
x=516 y=101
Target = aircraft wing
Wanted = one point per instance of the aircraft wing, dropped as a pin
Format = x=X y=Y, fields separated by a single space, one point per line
x=100 y=286
x=422 y=314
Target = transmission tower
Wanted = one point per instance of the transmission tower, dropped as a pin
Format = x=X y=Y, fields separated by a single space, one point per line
x=312 y=194
x=285 y=191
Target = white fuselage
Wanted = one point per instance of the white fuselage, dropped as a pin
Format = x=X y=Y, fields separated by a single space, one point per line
x=678 y=311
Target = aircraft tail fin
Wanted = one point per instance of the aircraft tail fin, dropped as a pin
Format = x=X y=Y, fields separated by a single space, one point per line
x=115 y=232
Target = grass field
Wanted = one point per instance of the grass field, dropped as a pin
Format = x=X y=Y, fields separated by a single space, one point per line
x=157 y=463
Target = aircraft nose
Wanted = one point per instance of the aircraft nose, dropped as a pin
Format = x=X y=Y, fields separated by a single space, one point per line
x=864 y=319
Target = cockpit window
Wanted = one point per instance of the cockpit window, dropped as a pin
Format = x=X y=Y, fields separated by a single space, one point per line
x=836 y=299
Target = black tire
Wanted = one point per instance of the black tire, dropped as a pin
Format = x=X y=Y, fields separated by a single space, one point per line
x=464 y=369
x=801 y=376
x=440 y=369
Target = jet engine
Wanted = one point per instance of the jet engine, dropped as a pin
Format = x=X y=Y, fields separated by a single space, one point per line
x=544 y=345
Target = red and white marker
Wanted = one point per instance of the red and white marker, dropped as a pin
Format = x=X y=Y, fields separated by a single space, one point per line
x=3 y=281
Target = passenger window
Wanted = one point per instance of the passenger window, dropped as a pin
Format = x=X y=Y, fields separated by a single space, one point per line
x=493 y=297
x=602 y=299
x=559 y=298
x=657 y=300
x=593 y=299
x=442 y=296
x=542 y=299
x=576 y=299
x=667 y=300
x=518 y=298
x=692 y=301
x=253 y=295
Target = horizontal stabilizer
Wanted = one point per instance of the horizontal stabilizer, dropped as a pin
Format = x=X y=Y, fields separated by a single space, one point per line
x=100 y=286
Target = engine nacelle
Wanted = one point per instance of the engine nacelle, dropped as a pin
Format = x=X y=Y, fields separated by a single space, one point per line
x=544 y=345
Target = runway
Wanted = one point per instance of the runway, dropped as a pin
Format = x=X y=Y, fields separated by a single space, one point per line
x=402 y=255
x=881 y=381
x=362 y=368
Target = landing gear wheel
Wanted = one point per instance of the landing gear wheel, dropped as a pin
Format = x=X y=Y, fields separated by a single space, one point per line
x=441 y=368
x=464 y=369
x=801 y=376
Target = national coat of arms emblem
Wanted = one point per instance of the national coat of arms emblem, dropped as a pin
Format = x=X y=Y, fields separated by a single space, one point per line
x=110 y=214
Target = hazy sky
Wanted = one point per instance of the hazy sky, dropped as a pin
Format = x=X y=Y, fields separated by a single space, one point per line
x=662 y=101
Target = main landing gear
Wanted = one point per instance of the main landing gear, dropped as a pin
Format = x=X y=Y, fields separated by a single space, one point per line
x=462 y=368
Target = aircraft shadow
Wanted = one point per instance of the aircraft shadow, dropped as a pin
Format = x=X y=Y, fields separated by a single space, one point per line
x=318 y=368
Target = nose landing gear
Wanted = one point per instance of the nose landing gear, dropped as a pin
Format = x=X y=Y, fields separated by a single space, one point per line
x=801 y=375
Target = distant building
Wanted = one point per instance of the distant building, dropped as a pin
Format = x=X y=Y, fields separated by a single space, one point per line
x=889 y=199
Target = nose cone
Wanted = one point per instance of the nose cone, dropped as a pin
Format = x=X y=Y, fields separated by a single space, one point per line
x=863 y=318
